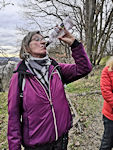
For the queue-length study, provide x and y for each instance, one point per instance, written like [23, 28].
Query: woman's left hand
[67, 38]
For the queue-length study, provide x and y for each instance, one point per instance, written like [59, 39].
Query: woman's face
[37, 46]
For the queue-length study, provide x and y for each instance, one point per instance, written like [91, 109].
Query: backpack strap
[21, 81]
[21, 67]
[21, 84]
[54, 63]
[22, 73]
[21, 76]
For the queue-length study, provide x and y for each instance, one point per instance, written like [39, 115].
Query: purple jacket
[45, 116]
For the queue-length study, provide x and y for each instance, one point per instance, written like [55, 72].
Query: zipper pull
[51, 104]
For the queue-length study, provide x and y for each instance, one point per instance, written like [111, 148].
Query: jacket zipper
[55, 124]
[50, 100]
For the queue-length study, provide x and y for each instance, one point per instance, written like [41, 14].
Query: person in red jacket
[106, 84]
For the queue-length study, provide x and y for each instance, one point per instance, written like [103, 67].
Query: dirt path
[90, 138]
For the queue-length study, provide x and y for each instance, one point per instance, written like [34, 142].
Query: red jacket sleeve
[106, 86]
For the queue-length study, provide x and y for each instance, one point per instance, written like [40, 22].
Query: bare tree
[4, 3]
[99, 28]
[92, 20]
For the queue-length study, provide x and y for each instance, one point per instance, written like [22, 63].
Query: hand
[67, 38]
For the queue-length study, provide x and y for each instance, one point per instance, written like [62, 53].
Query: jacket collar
[22, 68]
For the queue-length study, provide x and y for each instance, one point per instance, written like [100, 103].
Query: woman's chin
[43, 55]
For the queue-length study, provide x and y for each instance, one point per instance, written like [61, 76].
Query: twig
[74, 112]
[88, 93]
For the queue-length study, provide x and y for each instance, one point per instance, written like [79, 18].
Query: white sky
[10, 18]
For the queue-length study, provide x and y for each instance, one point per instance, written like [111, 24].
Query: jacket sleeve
[82, 66]
[106, 87]
[14, 124]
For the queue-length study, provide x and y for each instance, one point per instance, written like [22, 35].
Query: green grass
[104, 60]
[77, 87]
[3, 120]
[86, 85]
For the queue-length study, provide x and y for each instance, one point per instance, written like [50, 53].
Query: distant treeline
[5, 60]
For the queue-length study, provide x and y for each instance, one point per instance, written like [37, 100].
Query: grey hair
[25, 44]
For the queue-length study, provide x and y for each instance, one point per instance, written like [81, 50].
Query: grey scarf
[39, 67]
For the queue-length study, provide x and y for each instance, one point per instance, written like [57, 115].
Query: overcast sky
[10, 18]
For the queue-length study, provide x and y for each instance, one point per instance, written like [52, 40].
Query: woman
[46, 117]
[106, 84]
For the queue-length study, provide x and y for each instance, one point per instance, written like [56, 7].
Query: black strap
[21, 74]
[21, 68]
[20, 82]
[54, 63]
